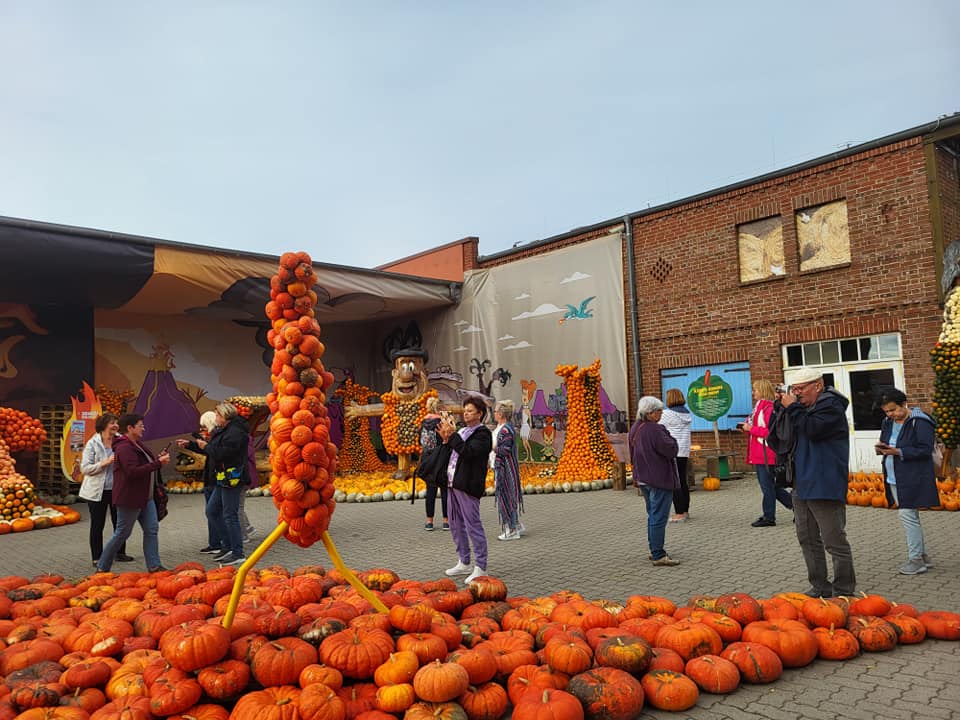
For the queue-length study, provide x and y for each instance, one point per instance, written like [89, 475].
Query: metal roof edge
[39, 226]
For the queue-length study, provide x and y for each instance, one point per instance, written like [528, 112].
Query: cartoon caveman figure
[405, 405]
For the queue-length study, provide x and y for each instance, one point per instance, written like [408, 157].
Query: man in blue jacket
[822, 452]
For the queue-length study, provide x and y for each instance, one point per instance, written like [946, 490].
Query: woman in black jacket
[226, 452]
[466, 479]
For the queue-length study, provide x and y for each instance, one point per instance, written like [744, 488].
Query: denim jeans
[910, 519]
[213, 539]
[658, 503]
[223, 510]
[771, 493]
[126, 517]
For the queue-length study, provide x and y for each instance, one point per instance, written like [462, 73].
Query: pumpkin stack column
[945, 358]
[302, 458]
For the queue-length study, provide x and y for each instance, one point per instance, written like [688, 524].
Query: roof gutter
[920, 130]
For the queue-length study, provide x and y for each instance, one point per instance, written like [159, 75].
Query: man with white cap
[821, 454]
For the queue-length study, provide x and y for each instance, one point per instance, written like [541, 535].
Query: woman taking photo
[226, 452]
[762, 457]
[466, 483]
[906, 446]
[653, 453]
[97, 486]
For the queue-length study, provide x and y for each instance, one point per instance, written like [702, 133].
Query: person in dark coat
[135, 472]
[906, 444]
[429, 439]
[466, 482]
[226, 453]
[653, 453]
[822, 461]
[208, 425]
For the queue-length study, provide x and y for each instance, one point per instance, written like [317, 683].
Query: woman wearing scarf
[466, 482]
[506, 473]
[135, 473]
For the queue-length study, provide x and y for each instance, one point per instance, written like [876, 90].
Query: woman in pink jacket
[763, 458]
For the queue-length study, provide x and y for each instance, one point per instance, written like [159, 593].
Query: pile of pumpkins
[184, 485]
[867, 490]
[20, 509]
[307, 646]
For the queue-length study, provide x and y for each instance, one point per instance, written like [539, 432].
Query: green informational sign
[709, 397]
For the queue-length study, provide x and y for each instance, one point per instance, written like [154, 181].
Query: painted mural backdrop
[45, 354]
[517, 322]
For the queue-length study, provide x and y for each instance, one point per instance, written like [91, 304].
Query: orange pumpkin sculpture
[302, 458]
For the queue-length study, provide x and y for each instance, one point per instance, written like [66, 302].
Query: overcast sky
[368, 131]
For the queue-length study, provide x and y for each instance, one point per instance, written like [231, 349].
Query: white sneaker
[460, 568]
[521, 529]
[509, 535]
[477, 572]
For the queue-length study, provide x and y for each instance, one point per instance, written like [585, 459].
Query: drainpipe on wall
[632, 308]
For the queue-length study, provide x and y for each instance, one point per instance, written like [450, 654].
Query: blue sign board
[737, 375]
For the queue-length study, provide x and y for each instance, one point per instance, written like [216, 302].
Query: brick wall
[693, 309]
[701, 313]
[949, 186]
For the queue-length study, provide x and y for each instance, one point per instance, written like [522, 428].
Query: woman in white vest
[97, 486]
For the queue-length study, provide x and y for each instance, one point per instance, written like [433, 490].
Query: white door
[859, 382]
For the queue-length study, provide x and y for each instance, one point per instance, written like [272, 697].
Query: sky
[364, 132]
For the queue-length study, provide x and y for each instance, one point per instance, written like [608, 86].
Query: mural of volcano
[167, 410]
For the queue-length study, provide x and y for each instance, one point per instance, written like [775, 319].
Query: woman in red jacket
[762, 457]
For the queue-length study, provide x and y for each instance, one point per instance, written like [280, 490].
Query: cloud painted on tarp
[576, 276]
[522, 296]
[471, 329]
[518, 346]
[461, 348]
[545, 309]
[508, 336]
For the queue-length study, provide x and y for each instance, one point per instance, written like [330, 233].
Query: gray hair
[208, 420]
[646, 405]
[228, 411]
[505, 408]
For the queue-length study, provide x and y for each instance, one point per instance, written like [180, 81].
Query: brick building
[835, 262]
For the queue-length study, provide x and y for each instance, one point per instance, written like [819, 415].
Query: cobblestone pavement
[595, 543]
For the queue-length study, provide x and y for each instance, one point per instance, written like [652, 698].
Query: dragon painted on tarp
[405, 404]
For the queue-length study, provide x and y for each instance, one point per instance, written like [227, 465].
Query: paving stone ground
[595, 543]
